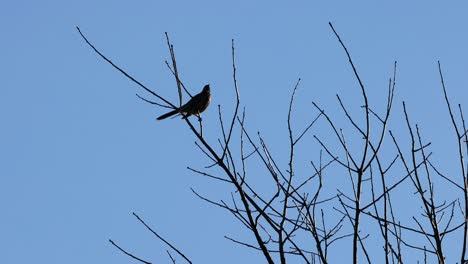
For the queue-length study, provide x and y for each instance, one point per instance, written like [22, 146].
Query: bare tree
[295, 219]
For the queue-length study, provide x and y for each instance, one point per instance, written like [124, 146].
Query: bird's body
[194, 106]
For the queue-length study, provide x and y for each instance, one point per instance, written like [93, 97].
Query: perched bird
[194, 106]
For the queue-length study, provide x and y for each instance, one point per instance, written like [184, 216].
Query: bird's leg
[199, 117]
[200, 122]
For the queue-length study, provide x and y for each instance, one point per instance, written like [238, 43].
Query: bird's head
[206, 89]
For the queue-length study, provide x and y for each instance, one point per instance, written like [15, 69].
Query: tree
[300, 218]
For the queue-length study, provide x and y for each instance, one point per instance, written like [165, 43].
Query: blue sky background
[79, 152]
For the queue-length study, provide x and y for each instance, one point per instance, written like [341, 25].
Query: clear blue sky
[79, 152]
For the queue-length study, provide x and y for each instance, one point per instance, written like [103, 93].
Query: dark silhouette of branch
[428, 203]
[175, 71]
[162, 239]
[127, 253]
[122, 71]
[464, 172]
[171, 257]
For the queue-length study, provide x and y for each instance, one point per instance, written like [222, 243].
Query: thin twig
[127, 253]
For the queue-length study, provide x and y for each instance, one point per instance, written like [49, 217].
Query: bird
[194, 106]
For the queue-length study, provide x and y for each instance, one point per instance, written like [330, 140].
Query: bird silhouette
[194, 106]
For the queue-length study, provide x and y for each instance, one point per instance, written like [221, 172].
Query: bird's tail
[166, 115]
